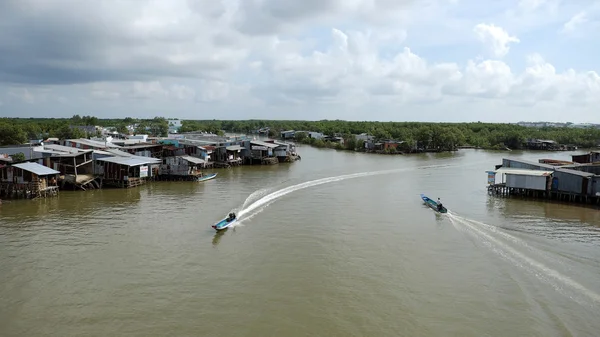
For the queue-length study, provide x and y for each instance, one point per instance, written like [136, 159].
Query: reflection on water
[78, 204]
[551, 210]
[217, 237]
[547, 218]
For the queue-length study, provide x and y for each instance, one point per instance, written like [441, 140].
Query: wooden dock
[130, 182]
[32, 190]
[502, 190]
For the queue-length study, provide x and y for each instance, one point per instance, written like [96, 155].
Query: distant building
[315, 135]
[364, 137]
[288, 134]
[174, 125]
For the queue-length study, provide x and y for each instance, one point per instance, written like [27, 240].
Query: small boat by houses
[206, 177]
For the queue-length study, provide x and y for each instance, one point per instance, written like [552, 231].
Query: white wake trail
[517, 258]
[256, 207]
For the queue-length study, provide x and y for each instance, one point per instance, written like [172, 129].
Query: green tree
[67, 132]
[11, 134]
[349, 142]
[159, 126]
[122, 128]
[18, 157]
[300, 136]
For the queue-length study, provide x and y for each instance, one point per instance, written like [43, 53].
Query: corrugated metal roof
[530, 163]
[193, 159]
[61, 148]
[575, 172]
[141, 146]
[105, 153]
[93, 143]
[265, 144]
[36, 168]
[507, 170]
[130, 161]
[119, 153]
[234, 148]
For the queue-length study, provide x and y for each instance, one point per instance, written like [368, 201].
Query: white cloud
[576, 21]
[356, 59]
[530, 5]
[496, 38]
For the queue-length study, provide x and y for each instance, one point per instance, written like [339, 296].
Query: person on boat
[439, 204]
[231, 217]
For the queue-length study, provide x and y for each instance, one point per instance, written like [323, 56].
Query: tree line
[442, 136]
[15, 131]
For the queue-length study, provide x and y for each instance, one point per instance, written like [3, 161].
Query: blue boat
[433, 204]
[206, 177]
[225, 223]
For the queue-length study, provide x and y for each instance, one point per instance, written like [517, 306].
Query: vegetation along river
[321, 250]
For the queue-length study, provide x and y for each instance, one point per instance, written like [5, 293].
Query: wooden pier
[502, 190]
[30, 190]
[130, 182]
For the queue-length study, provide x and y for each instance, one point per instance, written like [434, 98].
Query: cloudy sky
[418, 60]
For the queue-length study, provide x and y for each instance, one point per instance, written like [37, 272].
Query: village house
[285, 152]
[591, 157]
[387, 145]
[262, 153]
[224, 151]
[541, 144]
[181, 168]
[144, 150]
[129, 171]
[198, 148]
[264, 131]
[234, 157]
[574, 182]
[76, 166]
[289, 134]
[28, 180]
[334, 139]
[174, 125]
[365, 137]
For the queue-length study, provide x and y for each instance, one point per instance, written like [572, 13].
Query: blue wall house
[572, 181]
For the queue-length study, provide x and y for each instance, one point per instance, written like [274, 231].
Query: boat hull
[223, 224]
[433, 204]
[207, 177]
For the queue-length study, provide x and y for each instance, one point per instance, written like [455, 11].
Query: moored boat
[206, 177]
[433, 204]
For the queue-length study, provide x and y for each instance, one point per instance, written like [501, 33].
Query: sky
[385, 60]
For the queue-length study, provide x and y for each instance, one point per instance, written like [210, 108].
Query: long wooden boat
[433, 204]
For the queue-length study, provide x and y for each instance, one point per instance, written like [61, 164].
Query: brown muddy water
[338, 244]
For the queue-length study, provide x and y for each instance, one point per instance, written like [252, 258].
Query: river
[338, 244]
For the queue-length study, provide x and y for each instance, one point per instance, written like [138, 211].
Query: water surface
[355, 255]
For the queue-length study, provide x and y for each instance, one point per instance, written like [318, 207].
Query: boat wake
[501, 243]
[253, 206]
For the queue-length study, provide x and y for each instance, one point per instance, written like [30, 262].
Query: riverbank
[85, 164]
